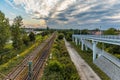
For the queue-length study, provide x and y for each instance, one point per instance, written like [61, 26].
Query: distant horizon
[65, 28]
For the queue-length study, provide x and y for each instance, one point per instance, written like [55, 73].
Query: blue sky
[76, 14]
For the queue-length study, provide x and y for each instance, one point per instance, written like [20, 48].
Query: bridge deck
[111, 39]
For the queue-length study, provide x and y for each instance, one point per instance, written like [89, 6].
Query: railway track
[38, 65]
[37, 56]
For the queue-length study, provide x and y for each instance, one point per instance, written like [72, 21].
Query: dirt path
[84, 70]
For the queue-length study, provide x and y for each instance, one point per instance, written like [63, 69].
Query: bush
[25, 40]
[60, 36]
[60, 66]
[32, 36]
[69, 36]
[55, 66]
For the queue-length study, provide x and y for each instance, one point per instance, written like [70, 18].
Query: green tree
[47, 28]
[55, 66]
[4, 30]
[25, 39]
[69, 36]
[110, 31]
[16, 32]
[97, 29]
[85, 31]
[60, 36]
[32, 36]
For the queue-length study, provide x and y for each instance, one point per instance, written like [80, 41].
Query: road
[84, 70]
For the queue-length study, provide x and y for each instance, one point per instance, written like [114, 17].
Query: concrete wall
[111, 69]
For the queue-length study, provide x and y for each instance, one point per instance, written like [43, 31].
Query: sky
[64, 14]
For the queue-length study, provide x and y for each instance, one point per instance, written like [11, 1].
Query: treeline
[14, 33]
[59, 65]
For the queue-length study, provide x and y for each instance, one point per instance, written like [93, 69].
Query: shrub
[60, 36]
[55, 66]
[32, 36]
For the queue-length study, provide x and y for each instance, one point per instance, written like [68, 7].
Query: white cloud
[43, 7]
[65, 4]
[83, 11]
[115, 16]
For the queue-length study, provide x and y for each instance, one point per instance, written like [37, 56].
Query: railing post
[94, 49]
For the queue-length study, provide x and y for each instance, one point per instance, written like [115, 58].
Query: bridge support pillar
[82, 46]
[86, 48]
[76, 41]
[94, 50]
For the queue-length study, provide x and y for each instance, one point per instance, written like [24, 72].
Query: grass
[14, 61]
[110, 48]
[117, 55]
[87, 56]
[8, 46]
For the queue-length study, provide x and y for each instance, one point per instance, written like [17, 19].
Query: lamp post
[100, 31]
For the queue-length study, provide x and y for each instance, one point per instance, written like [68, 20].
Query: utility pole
[30, 70]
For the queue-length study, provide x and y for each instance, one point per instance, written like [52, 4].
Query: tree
[47, 28]
[60, 36]
[85, 31]
[25, 39]
[69, 36]
[16, 32]
[97, 29]
[32, 36]
[110, 31]
[55, 66]
[4, 30]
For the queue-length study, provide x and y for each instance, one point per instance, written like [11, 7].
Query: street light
[100, 30]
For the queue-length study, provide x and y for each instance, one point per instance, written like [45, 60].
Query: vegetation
[14, 57]
[15, 43]
[32, 36]
[67, 34]
[4, 30]
[110, 31]
[16, 33]
[26, 40]
[110, 48]
[60, 36]
[59, 65]
[85, 31]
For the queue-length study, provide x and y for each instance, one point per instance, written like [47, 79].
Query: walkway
[85, 72]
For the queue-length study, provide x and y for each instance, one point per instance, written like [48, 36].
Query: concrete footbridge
[105, 61]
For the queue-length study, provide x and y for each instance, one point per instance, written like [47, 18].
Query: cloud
[70, 12]
[42, 7]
